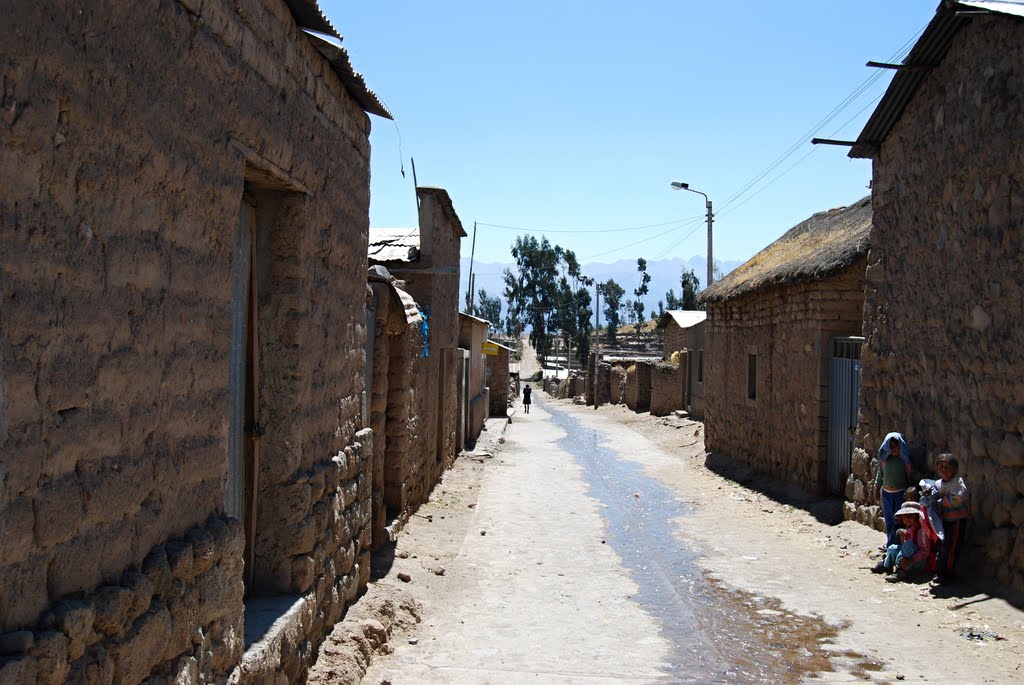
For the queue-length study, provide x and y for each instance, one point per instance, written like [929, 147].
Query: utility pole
[711, 262]
[469, 295]
[597, 339]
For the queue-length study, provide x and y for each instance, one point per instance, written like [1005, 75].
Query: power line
[582, 230]
[846, 102]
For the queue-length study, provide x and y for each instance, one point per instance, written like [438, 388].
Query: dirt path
[467, 587]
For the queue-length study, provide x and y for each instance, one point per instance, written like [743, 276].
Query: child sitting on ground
[911, 554]
[952, 504]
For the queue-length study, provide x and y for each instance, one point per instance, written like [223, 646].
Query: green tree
[531, 292]
[574, 313]
[690, 287]
[612, 293]
[641, 290]
[489, 309]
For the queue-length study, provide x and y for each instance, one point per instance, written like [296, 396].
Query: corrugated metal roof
[308, 16]
[394, 244]
[683, 318]
[353, 81]
[929, 50]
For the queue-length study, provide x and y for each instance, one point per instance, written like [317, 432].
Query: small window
[700, 366]
[751, 376]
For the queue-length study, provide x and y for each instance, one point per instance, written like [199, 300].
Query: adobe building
[944, 296]
[426, 260]
[183, 456]
[474, 396]
[684, 334]
[394, 356]
[775, 327]
[496, 358]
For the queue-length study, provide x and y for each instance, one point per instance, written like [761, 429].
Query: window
[700, 366]
[751, 376]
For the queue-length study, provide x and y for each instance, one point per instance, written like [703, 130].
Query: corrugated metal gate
[843, 392]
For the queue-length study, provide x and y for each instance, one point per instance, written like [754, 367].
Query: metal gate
[843, 392]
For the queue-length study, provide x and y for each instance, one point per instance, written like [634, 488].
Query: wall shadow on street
[825, 509]
[382, 560]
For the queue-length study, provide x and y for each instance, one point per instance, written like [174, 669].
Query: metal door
[843, 393]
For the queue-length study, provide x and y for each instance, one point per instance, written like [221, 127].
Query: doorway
[843, 405]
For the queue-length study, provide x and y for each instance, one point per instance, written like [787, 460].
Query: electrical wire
[838, 109]
[582, 230]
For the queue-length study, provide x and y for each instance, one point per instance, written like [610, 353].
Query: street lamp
[679, 185]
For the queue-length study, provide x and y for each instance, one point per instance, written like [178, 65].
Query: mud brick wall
[675, 339]
[497, 381]
[176, 614]
[638, 386]
[402, 425]
[784, 431]
[944, 309]
[668, 383]
[121, 177]
[617, 379]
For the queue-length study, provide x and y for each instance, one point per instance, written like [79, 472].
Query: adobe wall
[784, 431]
[637, 392]
[497, 381]
[121, 176]
[668, 384]
[675, 339]
[944, 309]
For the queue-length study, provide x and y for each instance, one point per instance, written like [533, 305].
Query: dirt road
[518, 572]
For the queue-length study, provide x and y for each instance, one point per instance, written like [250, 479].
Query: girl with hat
[911, 553]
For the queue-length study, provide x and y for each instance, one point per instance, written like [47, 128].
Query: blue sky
[570, 118]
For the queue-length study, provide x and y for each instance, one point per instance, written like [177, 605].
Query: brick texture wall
[668, 385]
[944, 310]
[784, 431]
[121, 176]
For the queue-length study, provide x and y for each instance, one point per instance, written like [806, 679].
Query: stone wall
[783, 432]
[122, 175]
[668, 386]
[638, 386]
[944, 309]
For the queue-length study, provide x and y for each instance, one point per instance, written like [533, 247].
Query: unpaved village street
[586, 547]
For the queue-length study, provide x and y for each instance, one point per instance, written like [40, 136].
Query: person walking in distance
[526, 399]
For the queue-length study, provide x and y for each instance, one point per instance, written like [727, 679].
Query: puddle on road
[718, 634]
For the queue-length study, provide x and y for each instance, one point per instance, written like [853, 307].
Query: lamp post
[679, 185]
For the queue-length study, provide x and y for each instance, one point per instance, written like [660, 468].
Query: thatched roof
[822, 245]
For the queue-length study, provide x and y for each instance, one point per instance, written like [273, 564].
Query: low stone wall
[178, 615]
[668, 383]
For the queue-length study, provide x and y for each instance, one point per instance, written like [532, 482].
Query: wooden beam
[827, 141]
[901, 67]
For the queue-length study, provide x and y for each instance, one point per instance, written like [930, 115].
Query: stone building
[771, 325]
[182, 449]
[944, 298]
[684, 333]
[416, 370]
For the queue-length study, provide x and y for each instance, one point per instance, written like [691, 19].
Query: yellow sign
[490, 348]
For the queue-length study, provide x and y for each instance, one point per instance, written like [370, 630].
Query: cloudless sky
[575, 116]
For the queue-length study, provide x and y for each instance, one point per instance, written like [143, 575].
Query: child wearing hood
[892, 480]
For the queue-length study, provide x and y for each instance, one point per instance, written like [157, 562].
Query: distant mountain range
[665, 274]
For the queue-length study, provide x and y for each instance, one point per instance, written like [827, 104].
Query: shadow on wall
[827, 510]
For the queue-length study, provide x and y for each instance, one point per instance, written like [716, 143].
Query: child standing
[952, 505]
[892, 480]
[526, 399]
